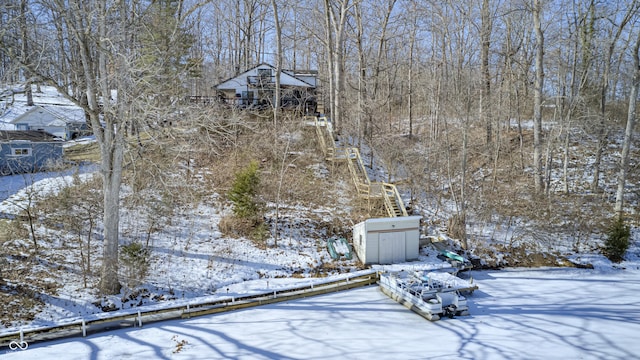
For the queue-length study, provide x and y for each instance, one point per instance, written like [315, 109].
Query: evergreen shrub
[244, 190]
[617, 241]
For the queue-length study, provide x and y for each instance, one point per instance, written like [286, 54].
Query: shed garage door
[391, 248]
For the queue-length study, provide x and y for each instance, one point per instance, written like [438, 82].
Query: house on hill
[25, 151]
[62, 122]
[255, 89]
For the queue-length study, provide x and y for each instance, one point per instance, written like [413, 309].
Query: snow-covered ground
[544, 313]
[18, 185]
[516, 314]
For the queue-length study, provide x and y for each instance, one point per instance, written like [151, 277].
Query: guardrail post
[84, 328]
[188, 312]
[139, 319]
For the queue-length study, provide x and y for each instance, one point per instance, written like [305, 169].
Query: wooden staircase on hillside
[386, 192]
[358, 172]
[392, 201]
[324, 130]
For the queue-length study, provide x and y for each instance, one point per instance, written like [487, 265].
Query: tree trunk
[110, 138]
[276, 111]
[336, 19]
[362, 74]
[339, 66]
[25, 52]
[462, 215]
[412, 44]
[329, 45]
[628, 135]
[568, 117]
[537, 97]
[604, 86]
[276, 100]
[112, 178]
[484, 66]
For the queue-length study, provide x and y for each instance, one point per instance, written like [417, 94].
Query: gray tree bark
[111, 142]
[485, 36]
[278, 29]
[537, 97]
[276, 108]
[628, 135]
[329, 46]
[604, 87]
[24, 51]
[336, 19]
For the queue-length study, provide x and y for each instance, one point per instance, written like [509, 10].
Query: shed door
[391, 248]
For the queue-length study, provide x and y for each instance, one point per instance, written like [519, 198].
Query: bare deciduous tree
[631, 120]
[336, 15]
[537, 95]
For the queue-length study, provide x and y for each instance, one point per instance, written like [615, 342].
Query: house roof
[50, 116]
[26, 135]
[6, 126]
[286, 79]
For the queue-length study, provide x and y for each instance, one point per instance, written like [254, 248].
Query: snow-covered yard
[542, 313]
[545, 313]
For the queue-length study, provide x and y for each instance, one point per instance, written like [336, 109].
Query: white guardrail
[19, 340]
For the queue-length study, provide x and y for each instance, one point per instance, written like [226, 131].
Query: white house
[256, 88]
[63, 122]
[387, 240]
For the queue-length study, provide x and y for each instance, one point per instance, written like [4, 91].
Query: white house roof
[239, 81]
[50, 116]
[6, 126]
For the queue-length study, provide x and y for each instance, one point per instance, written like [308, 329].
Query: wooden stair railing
[392, 201]
[358, 172]
[322, 130]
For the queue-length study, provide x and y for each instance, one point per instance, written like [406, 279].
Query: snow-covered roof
[13, 104]
[50, 116]
[286, 79]
[7, 126]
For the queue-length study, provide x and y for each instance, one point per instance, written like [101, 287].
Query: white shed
[387, 240]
